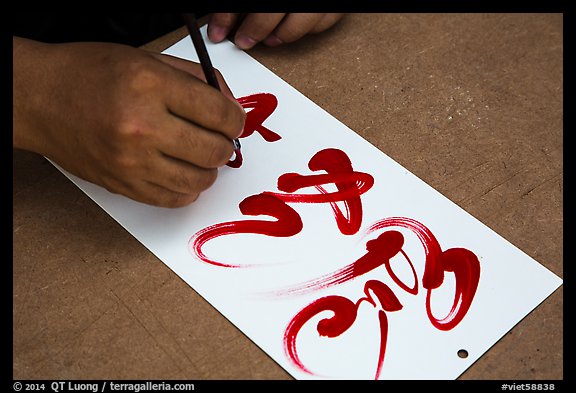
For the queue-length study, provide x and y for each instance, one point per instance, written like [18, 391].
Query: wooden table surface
[470, 103]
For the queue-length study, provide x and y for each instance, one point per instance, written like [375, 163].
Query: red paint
[288, 224]
[345, 313]
[433, 277]
[237, 161]
[349, 183]
[466, 268]
[460, 261]
[262, 105]
[380, 251]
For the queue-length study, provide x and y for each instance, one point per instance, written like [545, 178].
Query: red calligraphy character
[288, 224]
[349, 183]
[379, 253]
[460, 261]
[262, 105]
[345, 312]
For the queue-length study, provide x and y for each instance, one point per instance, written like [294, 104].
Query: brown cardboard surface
[470, 103]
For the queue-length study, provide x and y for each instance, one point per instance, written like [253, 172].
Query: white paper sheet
[262, 299]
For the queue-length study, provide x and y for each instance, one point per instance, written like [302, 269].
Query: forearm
[30, 82]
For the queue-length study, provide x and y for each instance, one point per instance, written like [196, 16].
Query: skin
[271, 29]
[140, 124]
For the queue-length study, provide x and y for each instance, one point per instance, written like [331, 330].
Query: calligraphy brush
[205, 62]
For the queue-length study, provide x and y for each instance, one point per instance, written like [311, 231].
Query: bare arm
[140, 124]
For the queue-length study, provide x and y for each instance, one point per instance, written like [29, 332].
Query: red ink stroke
[460, 261]
[262, 105]
[288, 224]
[380, 251]
[466, 268]
[344, 315]
[349, 183]
[237, 161]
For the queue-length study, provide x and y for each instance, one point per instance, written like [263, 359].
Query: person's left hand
[270, 29]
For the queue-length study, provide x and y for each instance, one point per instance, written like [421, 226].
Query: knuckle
[220, 108]
[189, 181]
[208, 149]
[180, 200]
[183, 181]
[207, 179]
[219, 153]
[229, 115]
[124, 164]
[140, 75]
[128, 126]
[190, 192]
[131, 131]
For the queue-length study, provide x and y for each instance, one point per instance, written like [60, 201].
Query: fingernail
[245, 42]
[217, 33]
[272, 40]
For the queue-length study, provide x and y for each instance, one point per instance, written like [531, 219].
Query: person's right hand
[140, 124]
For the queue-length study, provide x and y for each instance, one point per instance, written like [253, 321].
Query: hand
[140, 124]
[270, 29]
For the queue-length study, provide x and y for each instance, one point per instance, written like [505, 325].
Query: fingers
[195, 70]
[292, 28]
[181, 177]
[255, 28]
[327, 21]
[157, 179]
[193, 100]
[176, 151]
[195, 145]
[220, 25]
[153, 194]
[296, 26]
[177, 182]
[196, 140]
[272, 29]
